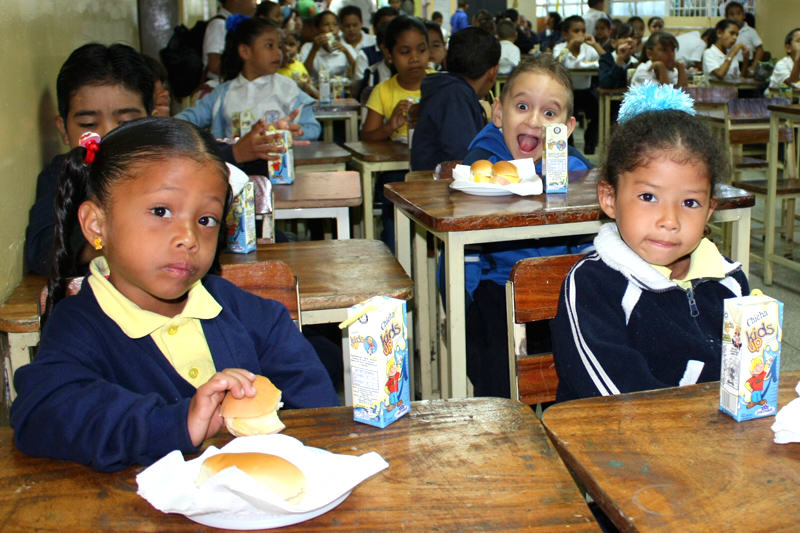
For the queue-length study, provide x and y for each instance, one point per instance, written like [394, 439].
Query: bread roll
[276, 473]
[481, 171]
[505, 172]
[254, 416]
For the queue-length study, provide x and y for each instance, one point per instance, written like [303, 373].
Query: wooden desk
[372, 157]
[484, 463]
[19, 328]
[459, 219]
[320, 195]
[320, 156]
[670, 460]
[739, 83]
[777, 114]
[708, 98]
[346, 109]
[334, 275]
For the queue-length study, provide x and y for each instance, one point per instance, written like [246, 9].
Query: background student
[551, 34]
[661, 66]
[655, 24]
[352, 32]
[644, 310]
[98, 88]
[538, 92]
[787, 69]
[328, 53]
[747, 36]
[719, 59]
[613, 69]
[214, 36]
[595, 12]
[137, 363]
[509, 53]
[436, 45]
[602, 34]
[460, 19]
[637, 23]
[253, 93]
[450, 113]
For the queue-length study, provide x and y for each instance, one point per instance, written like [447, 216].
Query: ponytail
[67, 238]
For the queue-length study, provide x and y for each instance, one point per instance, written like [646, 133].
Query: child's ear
[712, 206]
[245, 51]
[497, 113]
[386, 55]
[92, 219]
[607, 197]
[62, 129]
[571, 125]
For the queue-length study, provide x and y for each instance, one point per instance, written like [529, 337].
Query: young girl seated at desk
[328, 53]
[644, 311]
[136, 364]
[405, 43]
[720, 58]
[613, 69]
[253, 92]
[661, 66]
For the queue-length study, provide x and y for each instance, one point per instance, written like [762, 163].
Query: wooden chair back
[532, 293]
[267, 279]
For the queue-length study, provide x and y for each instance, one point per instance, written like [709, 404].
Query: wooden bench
[19, 328]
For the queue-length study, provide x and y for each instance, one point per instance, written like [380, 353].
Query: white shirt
[214, 38]
[645, 72]
[587, 58]
[750, 38]
[367, 40]
[781, 72]
[335, 62]
[690, 47]
[713, 58]
[591, 17]
[367, 8]
[509, 57]
[253, 99]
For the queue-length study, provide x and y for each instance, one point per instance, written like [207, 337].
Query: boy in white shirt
[509, 52]
[661, 66]
[787, 70]
[595, 12]
[747, 36]
[329, 53]
[580, 50]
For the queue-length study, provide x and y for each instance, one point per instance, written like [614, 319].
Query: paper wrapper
[787, 421]
[169, 484]
[529, 182]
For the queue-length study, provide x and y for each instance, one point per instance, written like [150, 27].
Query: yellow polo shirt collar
[705, 262]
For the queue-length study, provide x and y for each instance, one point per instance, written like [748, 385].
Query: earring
[98, 243]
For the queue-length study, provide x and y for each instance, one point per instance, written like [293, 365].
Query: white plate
[244, 521]
[529, 183]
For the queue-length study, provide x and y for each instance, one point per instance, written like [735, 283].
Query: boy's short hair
[602, 22]
[471, 52]
[350, 10]
[663, 38]
[569, 21]
[321, 15]
[545, 64]
[593, 3]
[97, 64]
[506, 29]
[387, 11]
[511, 14]
[731, 5]
[622, 30]
[463, 3]
[437, 14]
[556, 16]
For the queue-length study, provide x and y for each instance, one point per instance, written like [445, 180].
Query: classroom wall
[774, 19]
[36, 37]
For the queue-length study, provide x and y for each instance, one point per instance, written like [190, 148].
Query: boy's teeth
[527, 143]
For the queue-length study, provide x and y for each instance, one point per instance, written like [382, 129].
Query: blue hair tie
[650, 96]
[233, 21]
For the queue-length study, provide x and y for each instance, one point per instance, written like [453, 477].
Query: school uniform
[214, 40]
[334, 62]
[509, 57]
[781, 72]
[622, 325]
[644, 72]
[591, 17]
[750, 38]
[459, 21]
[584, 99]
[610, 74]
[98, 396]
[713, 58]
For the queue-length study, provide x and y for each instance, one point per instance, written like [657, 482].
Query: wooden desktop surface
[20, 313]
[671, 460]
[319, 189]
[378, 151]
[482, 463]
[336, 105]
[319, 153]
[336, 274]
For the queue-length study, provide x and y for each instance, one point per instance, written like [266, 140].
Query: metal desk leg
[769, 208]
[456, 320]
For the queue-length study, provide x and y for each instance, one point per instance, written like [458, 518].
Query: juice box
[281, 171]
[554, 158]
[379, 360]
[752, 330]
[241, 221]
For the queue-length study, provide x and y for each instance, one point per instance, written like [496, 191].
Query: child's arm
[351, 61]
[317, 43]
[723, 68]
[202, 113]
[591, 41]
[204, 419]
[308, 122]
[683, 76]
[612, 75]
[758, 54]
[374, 129]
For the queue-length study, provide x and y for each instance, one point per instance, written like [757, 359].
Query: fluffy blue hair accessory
[233, 21]
[650, 96]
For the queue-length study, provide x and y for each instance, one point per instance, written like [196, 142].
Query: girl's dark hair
[350, 10]
[97, 64]
[654, 134]
[651, 19]
[399, 25]
[387, 11]
[635, 18]
[622, 30]
[265, 8]
[246, 32]
[556, 16]
[319, 16]
[569, 21]
[135, 142]
[432, 26]
[658, 37]
[721, 26]
[789, 36]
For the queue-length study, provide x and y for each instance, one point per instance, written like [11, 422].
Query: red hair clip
[91, 142]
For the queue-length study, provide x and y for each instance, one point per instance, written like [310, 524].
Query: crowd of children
[136, 364]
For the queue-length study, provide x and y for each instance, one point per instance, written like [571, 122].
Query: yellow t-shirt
[705, 262]
[295, 67]
[180, 338]
[385, 97]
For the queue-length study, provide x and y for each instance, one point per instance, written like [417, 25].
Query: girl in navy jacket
[644, 311]
[137, 363]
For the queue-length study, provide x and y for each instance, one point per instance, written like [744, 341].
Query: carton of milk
[752, 330]
[379, 360]
[554, 158]
[281, 170]
[241, 221]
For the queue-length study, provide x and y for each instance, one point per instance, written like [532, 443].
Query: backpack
[183, 58]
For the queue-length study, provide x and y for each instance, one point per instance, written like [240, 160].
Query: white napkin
[529, 182]
[787, 421]
[169, 483]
